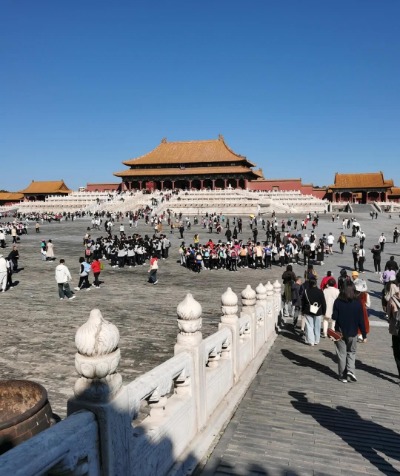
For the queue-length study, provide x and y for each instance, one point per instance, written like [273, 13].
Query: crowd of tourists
[339, 308]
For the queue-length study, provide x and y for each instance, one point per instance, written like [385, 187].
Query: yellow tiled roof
[189, 152]
[367, 180]
[11, 196]
[183, 171]
[39, 187]
[395, 191]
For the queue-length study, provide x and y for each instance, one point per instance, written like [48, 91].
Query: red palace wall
[102, 187]
[286, 185]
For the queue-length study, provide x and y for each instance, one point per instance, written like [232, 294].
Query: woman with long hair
[349, 317]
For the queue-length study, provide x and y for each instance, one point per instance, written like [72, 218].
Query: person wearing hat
[363, 296]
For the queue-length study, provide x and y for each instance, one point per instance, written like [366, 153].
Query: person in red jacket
[96, 268]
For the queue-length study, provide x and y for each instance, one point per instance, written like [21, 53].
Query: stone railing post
[99, 389]
[270, 318]
[229, 318]
[189, 340]
[261, 310]
[249, 307]
[277, 302]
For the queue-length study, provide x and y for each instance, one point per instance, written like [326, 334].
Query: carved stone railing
[165, 421]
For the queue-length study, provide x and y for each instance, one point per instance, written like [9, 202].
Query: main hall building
[208, 164]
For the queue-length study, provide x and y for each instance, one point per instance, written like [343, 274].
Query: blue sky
[302, 88]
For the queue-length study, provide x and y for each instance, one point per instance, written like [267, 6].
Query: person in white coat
[63, 276]
[3, 273]
[330, 293]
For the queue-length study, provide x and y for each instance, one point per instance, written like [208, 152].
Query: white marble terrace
[165, 421]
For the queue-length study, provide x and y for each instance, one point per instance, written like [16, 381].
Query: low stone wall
[166, 421]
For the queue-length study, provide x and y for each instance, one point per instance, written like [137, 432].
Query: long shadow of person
[366, 437]
[383, 374]
[302, 361]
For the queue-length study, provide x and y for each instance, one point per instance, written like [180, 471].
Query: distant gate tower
[207, 164]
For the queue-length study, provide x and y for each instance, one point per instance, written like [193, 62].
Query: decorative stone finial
[229, 308]
[248, 296]
[269, 288]
[189, 315]
[277, 286]
[261, 292]
[97, 359]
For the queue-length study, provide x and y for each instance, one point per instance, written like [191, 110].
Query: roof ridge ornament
[221, 137]
[164, 140]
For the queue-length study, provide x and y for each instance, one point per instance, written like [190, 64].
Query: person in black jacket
[348, 316]
[313, 296]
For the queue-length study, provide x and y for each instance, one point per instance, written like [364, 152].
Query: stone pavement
[37, 331]
[298, 419]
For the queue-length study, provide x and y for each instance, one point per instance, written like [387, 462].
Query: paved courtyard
[38, 330]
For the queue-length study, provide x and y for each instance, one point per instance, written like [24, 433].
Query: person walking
[63, 276]
[313, 308]
[348, 316]
[331, 293]
[361, 259]
[342, 241]
[395, 235]
[84, 271]
[354, 252]
[376, 256]
[96, 268]
[382, 241]
[50, 251]
[153, 269]
[288, 278]
[3, 273]
[14, 257]
[361, 293]
[393, 309]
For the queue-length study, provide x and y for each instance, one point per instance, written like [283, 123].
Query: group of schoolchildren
[125, 250]
[234, 254]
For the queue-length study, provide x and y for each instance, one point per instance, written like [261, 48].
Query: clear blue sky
[303, 88]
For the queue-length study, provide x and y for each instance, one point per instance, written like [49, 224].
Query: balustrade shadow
[302, 361]
[367, 438]
[360, 365]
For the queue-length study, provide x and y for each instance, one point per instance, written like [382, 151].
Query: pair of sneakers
[349, 377]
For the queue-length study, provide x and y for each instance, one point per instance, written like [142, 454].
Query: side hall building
[208, 164]
[362, 188]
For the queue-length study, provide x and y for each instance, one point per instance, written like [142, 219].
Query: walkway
[298, 419]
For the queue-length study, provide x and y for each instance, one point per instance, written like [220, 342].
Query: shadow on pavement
[368, 438]
[383, 374]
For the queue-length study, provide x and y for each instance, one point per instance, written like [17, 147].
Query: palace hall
[207, 164]
[362, 188]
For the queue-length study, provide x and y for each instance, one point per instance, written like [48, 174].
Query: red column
[162, 184]
[213, 184]
[190, 184]
[173, 184]
[225, 183]
[201, 184]
[140, 184]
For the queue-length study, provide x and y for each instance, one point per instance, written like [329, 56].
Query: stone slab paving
[298, 419]
[37, 331]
